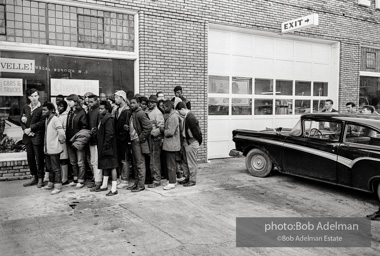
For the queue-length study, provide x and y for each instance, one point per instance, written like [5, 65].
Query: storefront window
[302, 107]
[263, 87]
[218, 106]
[241, 85]
[52, 75]
[264, 107]
[284, 107]
[241, 106]
[218, 84]
[320, 89]
[284, 87]
[303, 88]
[318, 105]
[369, 92]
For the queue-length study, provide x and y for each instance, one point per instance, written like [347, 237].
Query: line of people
[116, 137]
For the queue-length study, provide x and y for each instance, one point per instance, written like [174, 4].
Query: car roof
[369, 120]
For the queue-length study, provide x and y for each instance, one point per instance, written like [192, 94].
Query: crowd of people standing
[114, 137]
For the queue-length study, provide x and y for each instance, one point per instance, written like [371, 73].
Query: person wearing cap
[160, 96]
[179, 93]
[92, 153]
[76, 121]
[139, 130]
[123, 142]
[157, 120]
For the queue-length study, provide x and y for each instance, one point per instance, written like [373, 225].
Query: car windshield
[297, 130]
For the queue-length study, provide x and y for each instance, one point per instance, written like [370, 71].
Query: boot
[65, 171]
[49, 186]
[40, 183]
[32, 182]
[46, 177]
[57, 188]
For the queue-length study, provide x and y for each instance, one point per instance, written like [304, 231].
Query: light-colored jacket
[53, 133]
[63, 118]
[172, 133]
[157, 119]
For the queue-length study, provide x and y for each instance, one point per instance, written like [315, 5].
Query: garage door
[259, 82]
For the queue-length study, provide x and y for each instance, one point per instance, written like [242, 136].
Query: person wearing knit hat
[179, 93]
[122, 94]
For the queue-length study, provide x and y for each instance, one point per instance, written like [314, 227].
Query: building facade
[230, 57]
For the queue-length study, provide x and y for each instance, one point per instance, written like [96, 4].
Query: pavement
[198, 220]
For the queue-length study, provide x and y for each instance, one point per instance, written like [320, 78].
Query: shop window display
[41, 71]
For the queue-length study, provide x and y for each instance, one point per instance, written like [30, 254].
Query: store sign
[300, 23]
[73, 86]
[17, 65]
[10, 87]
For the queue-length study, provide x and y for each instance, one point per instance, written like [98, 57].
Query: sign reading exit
[300, 23]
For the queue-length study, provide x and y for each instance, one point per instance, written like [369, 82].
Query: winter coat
[107, 151]
[192, 127]
[172, 140]
[63, 118]
[76, 121]
[143, 127]
[93, 121]
[157, 120]
[36, 122]
[53, 133]
[80, 139]
[122, 135]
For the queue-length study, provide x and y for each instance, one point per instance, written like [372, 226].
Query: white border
[372, 74]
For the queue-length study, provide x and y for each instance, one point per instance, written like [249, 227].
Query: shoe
[169, 186]
[154, 185]
[95, 189]
[180, 179]
[111, 193]
[183, 181]
[32, 182]
[132, 187]
[103, 189]
[122, 185]
[50, 186]
[91, 185]
[65, 183]
[55, 191]
[73, 184]
[79, 185]
[190, 184]
[40, 183]
[138, 189]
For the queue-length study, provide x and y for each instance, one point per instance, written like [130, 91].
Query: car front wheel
[258, 163]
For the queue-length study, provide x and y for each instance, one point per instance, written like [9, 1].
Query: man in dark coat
[92, 154]
[192, 139]
[107, 152]
[122, 116]
[33, 126]
[76, 121]
[139, 131]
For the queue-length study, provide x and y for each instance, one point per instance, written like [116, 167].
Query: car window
[297, 130]
[361, 134]
[322, 130]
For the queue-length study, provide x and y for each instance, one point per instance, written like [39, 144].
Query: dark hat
[153, 98]
[177, 88]
[143, 98]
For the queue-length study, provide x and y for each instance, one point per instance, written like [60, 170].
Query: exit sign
[300, 23]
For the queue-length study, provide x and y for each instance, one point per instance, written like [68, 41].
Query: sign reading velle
[300, 23]
[10, 87]
[17, 65]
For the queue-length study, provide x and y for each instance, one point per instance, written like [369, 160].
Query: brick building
[235, 65]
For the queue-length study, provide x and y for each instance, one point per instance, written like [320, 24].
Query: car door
[358, 156]
[313, 153]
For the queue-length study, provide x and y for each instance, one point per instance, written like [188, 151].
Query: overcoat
[107, 150]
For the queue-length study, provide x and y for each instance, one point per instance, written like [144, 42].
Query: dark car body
[332, 147]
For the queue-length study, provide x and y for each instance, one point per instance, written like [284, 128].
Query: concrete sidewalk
[197, 220]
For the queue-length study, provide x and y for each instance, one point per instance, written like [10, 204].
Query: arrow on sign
[307, 20]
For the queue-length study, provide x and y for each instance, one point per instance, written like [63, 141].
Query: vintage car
[335, 148]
